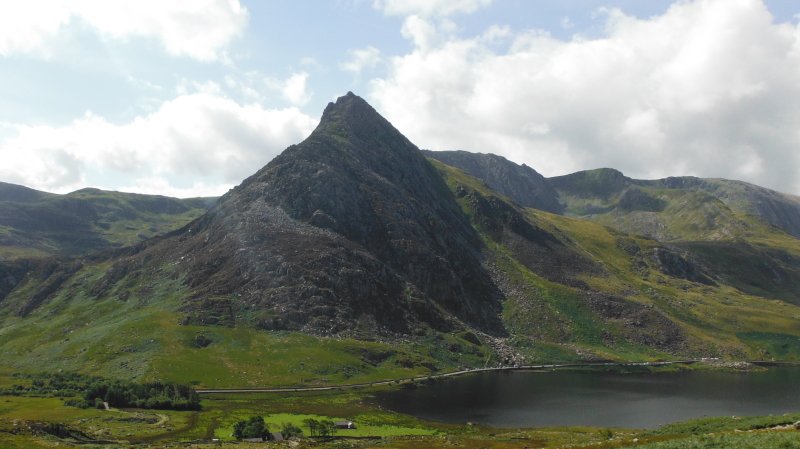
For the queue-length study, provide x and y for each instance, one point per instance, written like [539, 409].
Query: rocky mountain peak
[352, 227]
[352, 117]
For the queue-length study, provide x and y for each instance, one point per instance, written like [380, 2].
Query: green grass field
[21, 416]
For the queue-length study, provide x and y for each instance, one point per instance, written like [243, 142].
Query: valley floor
[27, 422]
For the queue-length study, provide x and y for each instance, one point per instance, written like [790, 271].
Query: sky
[187, 98]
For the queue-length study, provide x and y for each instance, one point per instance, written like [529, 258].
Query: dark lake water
[574, 398]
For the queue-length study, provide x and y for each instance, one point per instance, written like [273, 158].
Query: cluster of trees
[92, 391]
[153, 395]
[323, 428]
[255, 427]
[50, 384]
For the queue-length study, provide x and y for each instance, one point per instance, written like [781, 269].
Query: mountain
[352, 257]
[733, 229]
[34, 223]
[353, 228]
[518, 182]
[603, 191]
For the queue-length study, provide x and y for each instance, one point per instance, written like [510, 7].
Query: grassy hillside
[607, 191]
[713, 224]
[721, 316]
[34, 224]
[141, 337]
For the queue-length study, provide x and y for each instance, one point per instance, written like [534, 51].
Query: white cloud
[200, 29]
[428, 8]
[360, 59]
[293, 89]
[207, 138]
[296, 89]
[26, 26]
[711, 88]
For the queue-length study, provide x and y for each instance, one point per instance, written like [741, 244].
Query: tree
[238, 428]
[329, 427]
[313, 426]
[290, 430]
[252, 428]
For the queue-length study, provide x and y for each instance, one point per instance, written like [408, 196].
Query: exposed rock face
[642, 325]
[201, 341]
[11, 274]
[518, 182]
[352, 230]
[673, 264]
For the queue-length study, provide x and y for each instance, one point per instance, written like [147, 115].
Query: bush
[252, 428]
[77, 402]
[290, 430]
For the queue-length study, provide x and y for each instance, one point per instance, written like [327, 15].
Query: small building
[345, 425]
[277, 436]
[253, 440]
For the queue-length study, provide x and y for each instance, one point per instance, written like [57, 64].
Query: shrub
[290, 430]
[77, 402]
[252, 428]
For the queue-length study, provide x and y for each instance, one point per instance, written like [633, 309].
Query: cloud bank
[710, 88]
[199, 29]
[196, 136]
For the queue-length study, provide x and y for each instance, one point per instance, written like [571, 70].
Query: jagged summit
[352, 111]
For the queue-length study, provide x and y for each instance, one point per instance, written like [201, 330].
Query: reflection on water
[643, 401]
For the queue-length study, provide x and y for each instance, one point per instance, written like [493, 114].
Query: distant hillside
[605, 190]
[733, 229]
[34, 223]
[518, 182]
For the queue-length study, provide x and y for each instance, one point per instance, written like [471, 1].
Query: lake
[599, 399]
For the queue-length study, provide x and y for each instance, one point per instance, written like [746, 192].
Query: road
[450, 374]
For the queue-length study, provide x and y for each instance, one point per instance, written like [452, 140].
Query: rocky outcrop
[641, 324]
[673, 264]
[11, 274]
[53, 280]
